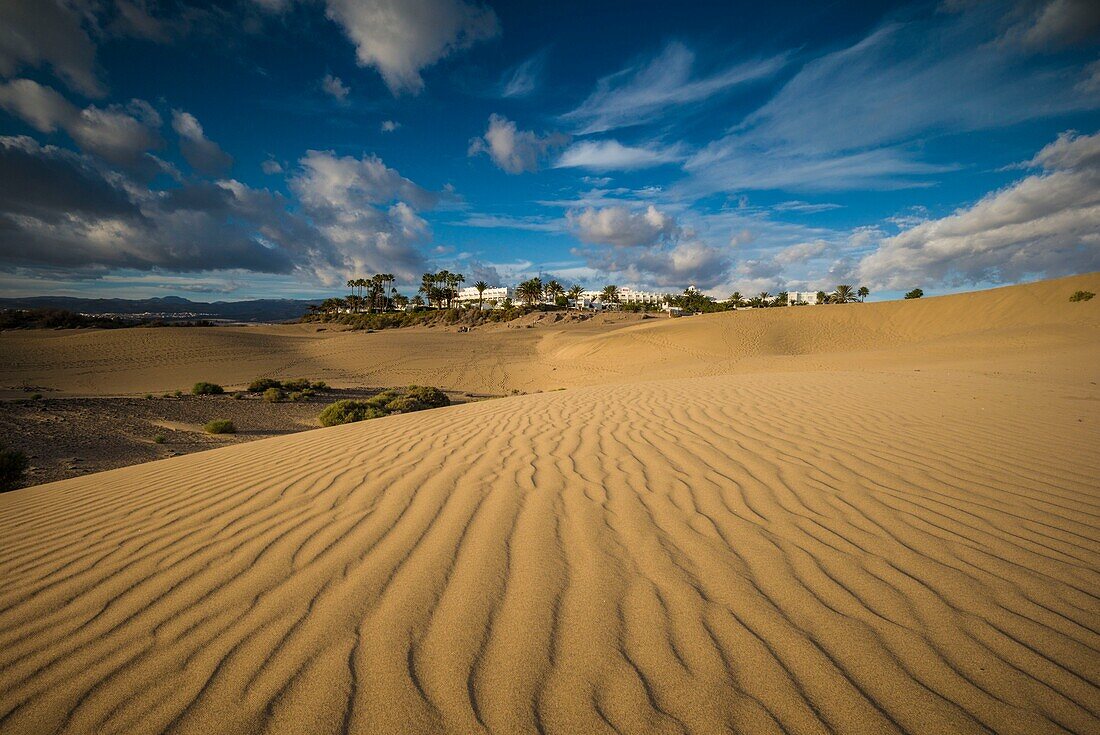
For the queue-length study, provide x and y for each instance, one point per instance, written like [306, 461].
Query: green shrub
[274, 395]
[36, 396]
[295, 396]
[916, 293]
[432, 397]
[348, 411]
[160, 439]
[207, 389]
[319, 385]
[309, 392]
[1081, 296]
[178, 393]
[220, 426]
[148, 396]
[238, 395]
[13, 464]
[298, 384]
[260, 385]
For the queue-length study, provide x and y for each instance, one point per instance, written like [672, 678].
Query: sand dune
[903, 542]
[1035, 318]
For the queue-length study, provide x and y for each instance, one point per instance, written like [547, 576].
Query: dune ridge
[675, 556]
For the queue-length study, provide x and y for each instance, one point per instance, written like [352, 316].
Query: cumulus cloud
[271, 167]
[119, 134]
[388, 126]
[400, 38]
[643, 93]
[801, 252]
[366, 210]
[200, 152]
[59, 209]
[513, 150]
[670, 266]
[37, 32]
[1046, 224]
[621, 226]
[333, 86]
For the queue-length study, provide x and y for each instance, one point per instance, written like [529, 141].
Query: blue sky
[278, 147]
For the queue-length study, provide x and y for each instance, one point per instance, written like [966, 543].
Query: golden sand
[851, 519]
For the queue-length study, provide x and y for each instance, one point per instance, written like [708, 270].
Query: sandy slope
[499, 359]
[907, 543]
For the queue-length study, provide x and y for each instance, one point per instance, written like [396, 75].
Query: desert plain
[858, 518]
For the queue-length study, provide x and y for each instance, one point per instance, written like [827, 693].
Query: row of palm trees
[441, 289]
[371, 293]
[842, 295]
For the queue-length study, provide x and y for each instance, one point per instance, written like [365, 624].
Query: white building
[628, 295]
[495, 295]
[794, 297]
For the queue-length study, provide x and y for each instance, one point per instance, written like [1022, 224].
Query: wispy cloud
[611, 155]
[513, 150]
[524, 79]
[640, 94]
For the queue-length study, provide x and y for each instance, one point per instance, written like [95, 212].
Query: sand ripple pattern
[756, 554]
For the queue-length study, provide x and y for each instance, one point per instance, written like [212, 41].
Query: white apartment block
[810, 297]
[469, 295]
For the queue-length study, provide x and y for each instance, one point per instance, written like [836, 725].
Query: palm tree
[863, 292]
[736, 300]
[844, 294]
[530, 291]
[553, 290]
[764, 298]
[822, 297]
[575, 294]
[427, 286]
[480, 286]
[780, 299]
[610, 294]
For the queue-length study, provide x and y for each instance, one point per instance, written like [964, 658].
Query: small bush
[178, 393]
[36, 396]
[295, 396]
[319, 385]
[220, 426]
[432, 397]
[1081, 296]
[148, 396]
[348, 411]
[916, 293]
[207, 389]
[160, 439]
[274, 395]
[260, 385]
[298, 384]
[167, 395]
[13, 464]
[238, 395]
[309, 392]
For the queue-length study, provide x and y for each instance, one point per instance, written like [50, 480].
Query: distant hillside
[258, 310]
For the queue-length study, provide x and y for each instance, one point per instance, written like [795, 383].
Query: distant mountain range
[258, 310]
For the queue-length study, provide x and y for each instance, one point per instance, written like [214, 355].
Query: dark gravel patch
[69, 437]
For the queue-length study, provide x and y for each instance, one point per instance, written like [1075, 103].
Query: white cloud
[523, 79]
[36, 32]
[271, 167]
[804, 207]
[641, 94]
[201, 153]
[801, 252]
[399, 38]
[118, 134]
[856, 118]
[334, 87]
[611, 155]
[388, 126]
[1047, 224]
[513, 150]
[621, 226]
